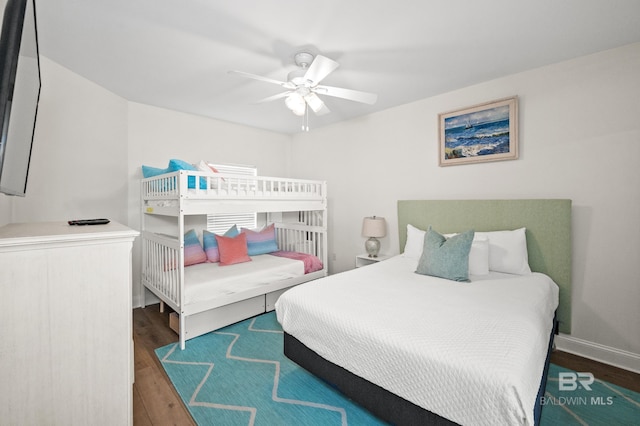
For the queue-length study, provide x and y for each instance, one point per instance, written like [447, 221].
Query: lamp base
[372, 245]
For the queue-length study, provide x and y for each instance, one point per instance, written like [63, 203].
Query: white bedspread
[207, 281]
[471, 352]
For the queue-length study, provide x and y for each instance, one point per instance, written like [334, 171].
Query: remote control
[89, 222]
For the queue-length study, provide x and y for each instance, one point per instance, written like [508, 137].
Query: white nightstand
[364, 259]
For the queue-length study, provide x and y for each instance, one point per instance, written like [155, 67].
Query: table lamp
[373, 228]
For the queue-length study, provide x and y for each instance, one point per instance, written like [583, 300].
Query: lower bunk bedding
[443, 351]
[210, 281]
[210, 295]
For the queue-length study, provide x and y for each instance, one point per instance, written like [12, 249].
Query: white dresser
[66, 348]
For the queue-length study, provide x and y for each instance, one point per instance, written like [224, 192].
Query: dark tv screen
[19, 93]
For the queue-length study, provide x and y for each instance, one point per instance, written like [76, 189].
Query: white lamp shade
[374, 227]
[295, 103]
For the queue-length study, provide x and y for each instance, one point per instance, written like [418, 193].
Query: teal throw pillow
[174, 166]
[446, 257]
[148, 171]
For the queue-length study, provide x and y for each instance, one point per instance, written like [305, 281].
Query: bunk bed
[208, 296]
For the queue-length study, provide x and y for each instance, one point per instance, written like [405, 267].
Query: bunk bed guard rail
[193, 184]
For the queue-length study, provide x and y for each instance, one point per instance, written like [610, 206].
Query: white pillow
[202, 166]
[415, 242]
[508, 251]
[478, 255]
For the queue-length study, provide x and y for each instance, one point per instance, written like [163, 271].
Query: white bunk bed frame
[169, 196]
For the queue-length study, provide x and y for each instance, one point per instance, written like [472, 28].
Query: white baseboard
[597, 352]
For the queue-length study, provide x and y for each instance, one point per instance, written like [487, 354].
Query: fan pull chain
[305, 118]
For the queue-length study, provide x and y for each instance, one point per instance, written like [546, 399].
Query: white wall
[77, 168]
[579, 139]
[156, 135]
[89, 145]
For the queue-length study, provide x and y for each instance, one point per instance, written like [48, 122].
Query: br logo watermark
[573, 381]
[570, 381]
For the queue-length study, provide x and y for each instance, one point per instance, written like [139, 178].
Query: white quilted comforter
[470, 352]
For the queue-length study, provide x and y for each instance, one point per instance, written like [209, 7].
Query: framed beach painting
[486, 132]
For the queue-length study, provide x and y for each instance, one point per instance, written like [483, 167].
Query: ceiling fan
[303, 86]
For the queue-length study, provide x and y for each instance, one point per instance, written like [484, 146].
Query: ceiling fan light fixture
[299, 112]
[295, 103]
[315, 103]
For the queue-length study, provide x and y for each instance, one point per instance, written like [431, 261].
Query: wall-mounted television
[19, 93]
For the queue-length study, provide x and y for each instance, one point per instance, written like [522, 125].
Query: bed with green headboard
[547, 223]
[418, 349]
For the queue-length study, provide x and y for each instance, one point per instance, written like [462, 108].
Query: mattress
[207, 281]
[473, 352]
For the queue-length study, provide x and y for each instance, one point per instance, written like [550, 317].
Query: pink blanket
[311, 262]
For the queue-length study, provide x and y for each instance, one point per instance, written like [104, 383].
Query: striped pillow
[211, 245]
[193, 252]
[233, 249]
[261, 242]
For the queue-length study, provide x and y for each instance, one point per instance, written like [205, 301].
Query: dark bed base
[543, 383]
[380, 402]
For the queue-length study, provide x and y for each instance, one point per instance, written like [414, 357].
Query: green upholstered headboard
[548, 224]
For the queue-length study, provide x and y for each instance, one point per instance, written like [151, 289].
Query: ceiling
[177, 54]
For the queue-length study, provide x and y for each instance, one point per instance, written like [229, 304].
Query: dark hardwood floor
[155, 402]
[606, 372]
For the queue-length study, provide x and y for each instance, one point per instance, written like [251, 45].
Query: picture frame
[480, 133]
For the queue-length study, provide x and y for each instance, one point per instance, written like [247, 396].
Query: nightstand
[364, 259]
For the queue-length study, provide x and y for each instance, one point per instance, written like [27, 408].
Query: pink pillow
[210, 244]
[232, 249]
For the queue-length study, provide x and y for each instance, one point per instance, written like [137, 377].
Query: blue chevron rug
[579, 399]
[240, 376]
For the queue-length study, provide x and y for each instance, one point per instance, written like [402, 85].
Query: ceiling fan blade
[320, 68]
[284, 84]
[316, 104]
[274, 97]
[322, 111]
[352, 95]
